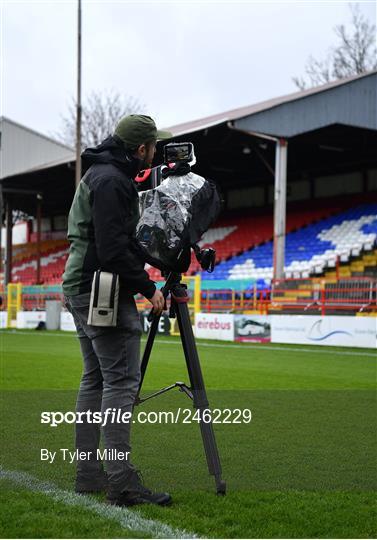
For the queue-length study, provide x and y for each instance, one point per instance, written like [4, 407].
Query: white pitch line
[269, 348]
[217, 345]
[129, 519]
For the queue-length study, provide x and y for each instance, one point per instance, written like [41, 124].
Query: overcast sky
[184, 60]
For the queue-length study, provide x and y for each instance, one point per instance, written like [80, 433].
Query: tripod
[196, 392]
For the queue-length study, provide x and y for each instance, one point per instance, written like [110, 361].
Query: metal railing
[351, 295]
[304, 296]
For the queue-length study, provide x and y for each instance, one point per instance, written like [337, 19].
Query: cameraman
[101, 228]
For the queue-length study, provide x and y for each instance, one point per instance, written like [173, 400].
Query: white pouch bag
[103, 308]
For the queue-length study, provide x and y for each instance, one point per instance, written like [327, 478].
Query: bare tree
[354, 54]
[100, 114]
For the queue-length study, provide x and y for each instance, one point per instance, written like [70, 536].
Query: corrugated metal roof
[241, 112]
[23, 149]
[34, 132]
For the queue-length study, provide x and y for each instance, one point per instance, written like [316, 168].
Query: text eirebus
[215, 325]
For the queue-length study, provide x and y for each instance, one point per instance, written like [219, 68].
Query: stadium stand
[53, 256]
[233, 235]
[309, 250]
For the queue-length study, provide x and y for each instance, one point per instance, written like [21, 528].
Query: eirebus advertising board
[214, 326]
[252, 328]
[232, 327]
[330, 330]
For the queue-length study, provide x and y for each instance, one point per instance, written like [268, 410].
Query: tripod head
[205, 257]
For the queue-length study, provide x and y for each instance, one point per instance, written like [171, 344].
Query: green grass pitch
[305, 466]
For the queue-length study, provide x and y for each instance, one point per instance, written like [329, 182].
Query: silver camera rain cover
[173, 216]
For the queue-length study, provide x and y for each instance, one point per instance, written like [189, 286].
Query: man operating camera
[101, 229]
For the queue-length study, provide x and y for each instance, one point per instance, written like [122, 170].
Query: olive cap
[137, 129]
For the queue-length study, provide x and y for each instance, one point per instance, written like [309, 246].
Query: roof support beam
[280, 206]
[8, 242]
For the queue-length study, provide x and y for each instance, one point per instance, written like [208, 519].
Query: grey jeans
[110, 379]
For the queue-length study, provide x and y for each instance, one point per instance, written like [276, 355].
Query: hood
[111, 150]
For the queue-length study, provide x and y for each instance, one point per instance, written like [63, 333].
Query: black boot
[136, 493]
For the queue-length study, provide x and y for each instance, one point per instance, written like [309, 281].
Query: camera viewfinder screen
[177, 153]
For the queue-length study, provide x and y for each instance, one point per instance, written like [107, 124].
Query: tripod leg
[151, 335]
[147, 352]
[199, 394]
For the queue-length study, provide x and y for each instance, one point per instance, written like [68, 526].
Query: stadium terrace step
[357, 266]
[345, 272]
[364, 265]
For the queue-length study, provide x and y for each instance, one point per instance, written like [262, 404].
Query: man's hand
[157, 302]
